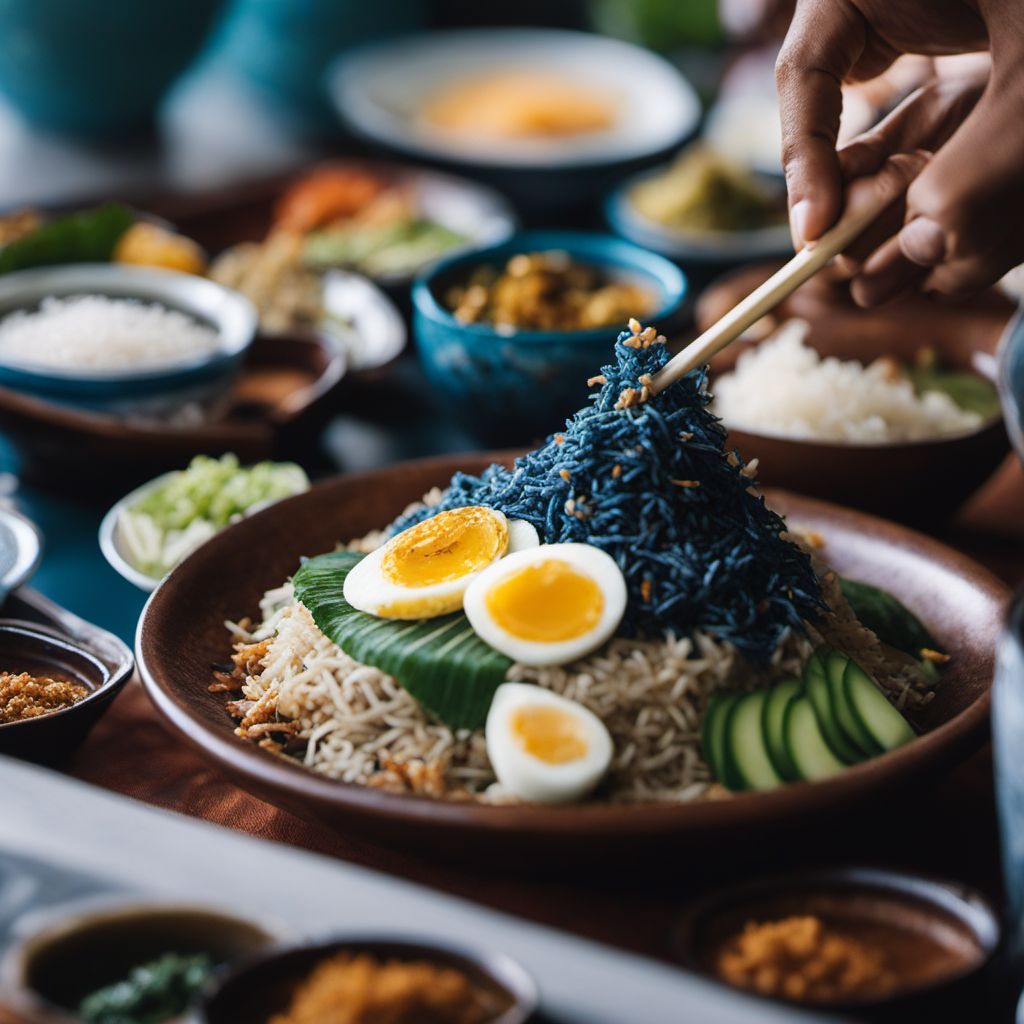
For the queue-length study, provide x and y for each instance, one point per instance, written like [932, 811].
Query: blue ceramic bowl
[511, 388]
[96, 68]
[704, 255]
[231, 315]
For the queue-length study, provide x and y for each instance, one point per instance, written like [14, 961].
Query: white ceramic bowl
[112, 542]
[379, 89]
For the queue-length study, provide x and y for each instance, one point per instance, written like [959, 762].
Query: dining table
[946, 827]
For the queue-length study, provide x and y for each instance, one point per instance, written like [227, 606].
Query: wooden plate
[283, 393]
[182, 633]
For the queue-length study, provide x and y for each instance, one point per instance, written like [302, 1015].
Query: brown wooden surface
[949, 829]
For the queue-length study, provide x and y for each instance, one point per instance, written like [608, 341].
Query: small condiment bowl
[84, 654]
[951, 923]
[64, 953]
[256, 990]
[130, 389]
[913, 481]
[512, 387]
[702, 254]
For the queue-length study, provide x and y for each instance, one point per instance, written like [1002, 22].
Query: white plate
[379, 90]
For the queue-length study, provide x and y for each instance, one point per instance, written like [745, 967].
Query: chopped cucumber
[772, 721]
[887, 727]
[817, 689]
[745, 747]
[810, 754]
[849, 723]
[713, 735]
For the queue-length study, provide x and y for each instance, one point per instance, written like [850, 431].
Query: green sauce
[151, 994]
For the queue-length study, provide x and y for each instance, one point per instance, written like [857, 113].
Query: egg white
[584, 558]
[367, 589]
[529, 777]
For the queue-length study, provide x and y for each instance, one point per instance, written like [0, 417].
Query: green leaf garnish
[440, 661]
[887, 617]
[971, 392]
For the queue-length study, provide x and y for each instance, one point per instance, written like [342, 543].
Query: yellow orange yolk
[546, 602]
[548, 733]
[445, 547]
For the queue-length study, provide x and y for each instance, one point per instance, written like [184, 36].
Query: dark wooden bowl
[917, 481]
[68, 951]
[953, 916]
[282, 395]
[46, 639]
[182, 635]
[256, 990]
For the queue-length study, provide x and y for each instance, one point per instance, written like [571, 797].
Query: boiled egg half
[548, 605]
[544, 747]
[424, 571]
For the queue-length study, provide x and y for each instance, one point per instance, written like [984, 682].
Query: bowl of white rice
[864, 427]
[96, 333]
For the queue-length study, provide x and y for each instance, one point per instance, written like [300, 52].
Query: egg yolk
[445, 547]
[548, 733]
[546, 602]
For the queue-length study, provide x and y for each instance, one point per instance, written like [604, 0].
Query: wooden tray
[283, 395]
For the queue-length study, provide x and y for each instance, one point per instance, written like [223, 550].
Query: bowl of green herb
[121, 962]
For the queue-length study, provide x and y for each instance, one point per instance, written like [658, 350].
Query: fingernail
[799, 214]
[923, 242]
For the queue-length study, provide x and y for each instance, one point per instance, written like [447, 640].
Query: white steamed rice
[783, 387]
[94, 332]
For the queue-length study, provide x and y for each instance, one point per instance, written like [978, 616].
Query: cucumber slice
[887, 726]
[810, 754]
[816, 687]
[849, 723]
[772, 721]
[712, 736]
[745, 747]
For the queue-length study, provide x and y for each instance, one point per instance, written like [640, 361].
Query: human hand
[960, 229]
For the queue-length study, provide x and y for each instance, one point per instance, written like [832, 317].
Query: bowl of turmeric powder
[850, 938]
[366, 980]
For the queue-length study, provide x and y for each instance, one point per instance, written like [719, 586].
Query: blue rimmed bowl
[229, 314]
[511, 388]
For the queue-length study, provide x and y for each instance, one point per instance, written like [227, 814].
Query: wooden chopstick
[767, 296]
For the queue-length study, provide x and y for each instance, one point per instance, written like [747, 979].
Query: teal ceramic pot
[512, 388]
[96, 68]
[284, 46]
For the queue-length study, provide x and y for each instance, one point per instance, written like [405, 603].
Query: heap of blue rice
[650, 482]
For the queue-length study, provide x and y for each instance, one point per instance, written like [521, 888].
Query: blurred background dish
[65, 962]
[704, 211]
[79, 69]
[284, 393]
[384, 220]
[912, 945]
[509, 384]
[21, 549]
[120, 337]
[451, 983]
[481, 100]
[913, 480]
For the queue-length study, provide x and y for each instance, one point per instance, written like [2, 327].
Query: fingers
[926, 119]
[963, 213]
[824, 42]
